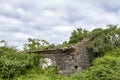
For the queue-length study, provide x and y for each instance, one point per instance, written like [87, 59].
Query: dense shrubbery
[14, 63]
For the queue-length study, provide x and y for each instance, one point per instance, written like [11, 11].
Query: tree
[4, 42]
[78, 35]
[34, 44]
[105, 40]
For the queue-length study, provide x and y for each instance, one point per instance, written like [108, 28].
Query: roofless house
[69, 60]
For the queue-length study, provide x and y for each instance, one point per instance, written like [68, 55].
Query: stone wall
[71, 59]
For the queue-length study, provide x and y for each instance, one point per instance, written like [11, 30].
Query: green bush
[14, 63]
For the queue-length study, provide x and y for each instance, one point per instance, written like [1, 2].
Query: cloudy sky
[53, 20]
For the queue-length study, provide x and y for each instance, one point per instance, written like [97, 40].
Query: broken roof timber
[52, 50]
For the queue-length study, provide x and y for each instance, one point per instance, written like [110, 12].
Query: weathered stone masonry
[70, 59]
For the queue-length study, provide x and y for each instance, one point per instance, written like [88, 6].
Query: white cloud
[53, 20]
[63, 29]
[10, 21]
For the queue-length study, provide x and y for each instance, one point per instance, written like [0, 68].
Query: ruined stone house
[69, 60]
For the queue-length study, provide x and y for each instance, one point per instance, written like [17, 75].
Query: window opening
[76, 67]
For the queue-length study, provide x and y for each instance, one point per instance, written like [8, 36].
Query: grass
[39, 74]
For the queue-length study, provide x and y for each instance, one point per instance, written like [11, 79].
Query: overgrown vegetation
[20, 65]
[14, 63]
[105, 40]
[39, 74]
